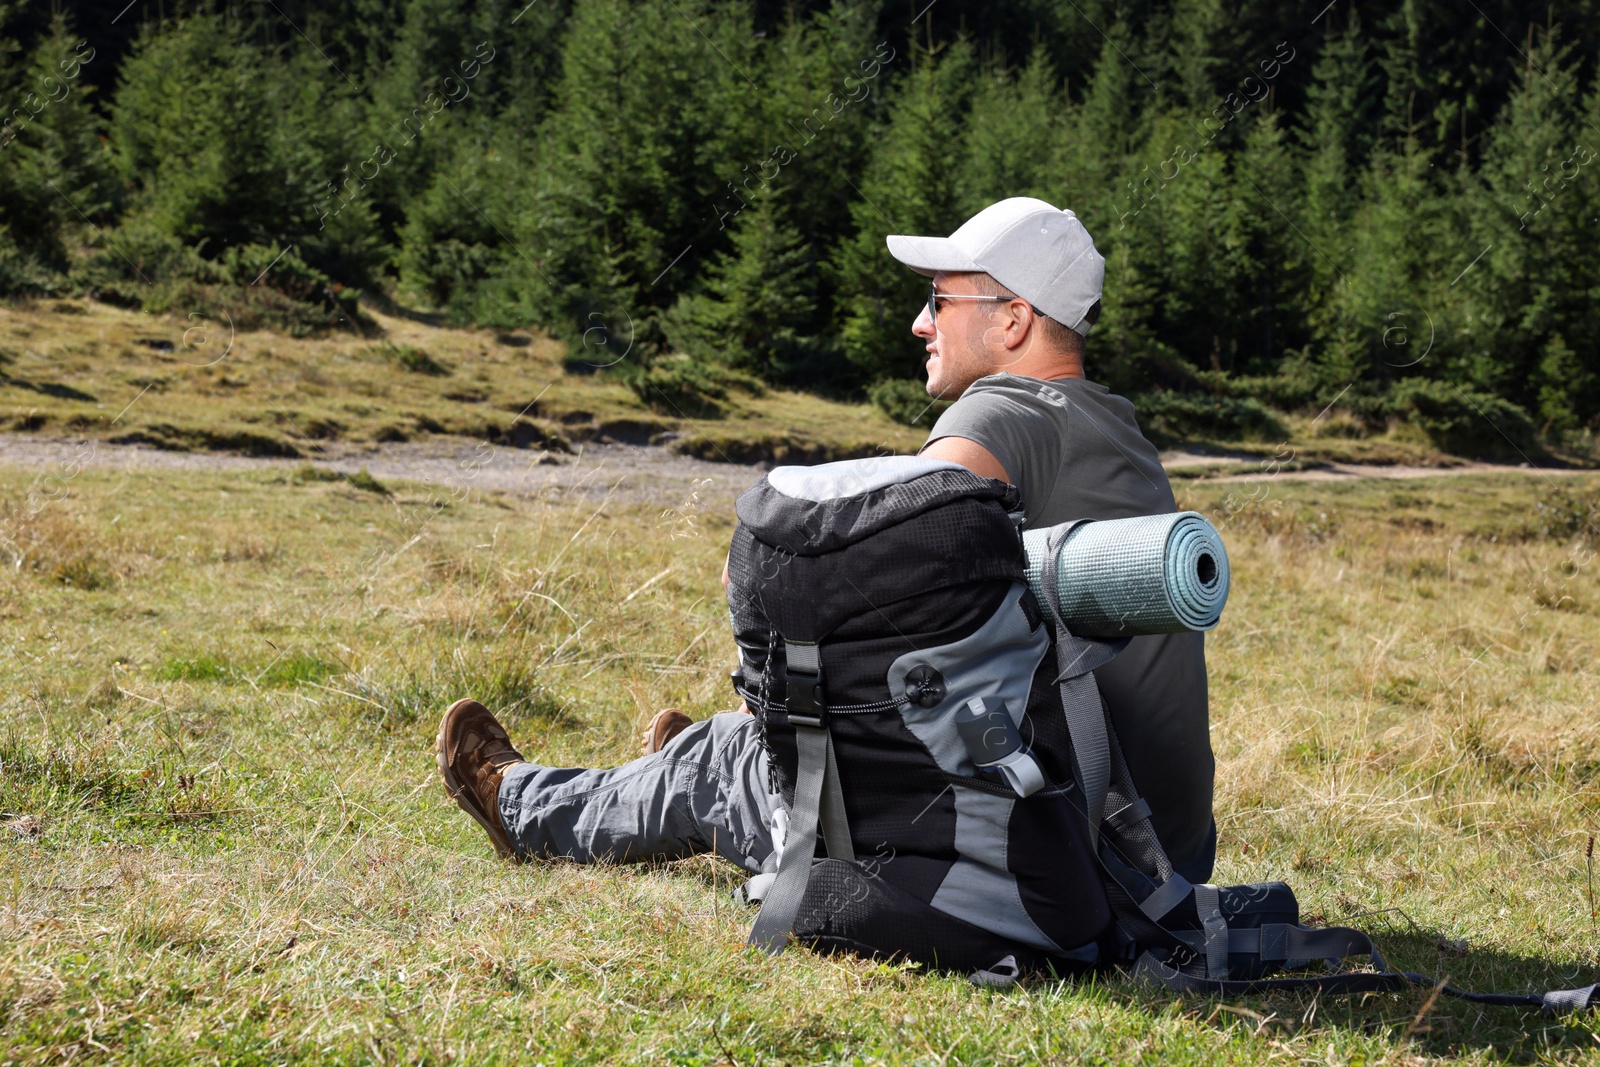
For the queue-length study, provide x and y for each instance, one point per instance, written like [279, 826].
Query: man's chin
[942, 389]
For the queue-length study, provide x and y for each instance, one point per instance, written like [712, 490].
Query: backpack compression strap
[818, 800]
[1280, 942]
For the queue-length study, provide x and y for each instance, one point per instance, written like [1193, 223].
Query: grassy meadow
[226, 841]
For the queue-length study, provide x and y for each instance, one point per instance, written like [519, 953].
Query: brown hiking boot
[663, 728]
[474, 752]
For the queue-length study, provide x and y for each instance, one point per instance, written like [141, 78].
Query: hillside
[83, 369]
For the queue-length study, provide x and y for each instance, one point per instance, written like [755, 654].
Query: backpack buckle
[803, 700]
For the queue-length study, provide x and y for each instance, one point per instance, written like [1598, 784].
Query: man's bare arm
[970, 454]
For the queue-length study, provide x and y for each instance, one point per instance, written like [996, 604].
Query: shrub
[1465, 422]
[361, 479]
[688, 387]
[412, 359]
[1184, 415]
[906, 402]
[251, 286]
[1564, 513]
[1284, 392]
[22, 274]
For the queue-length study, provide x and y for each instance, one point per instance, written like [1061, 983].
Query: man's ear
[1020, 321]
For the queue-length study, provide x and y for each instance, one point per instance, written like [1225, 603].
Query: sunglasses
[934, 296]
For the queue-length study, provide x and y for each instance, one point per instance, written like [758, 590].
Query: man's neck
[1046, 367]
[1073, 371]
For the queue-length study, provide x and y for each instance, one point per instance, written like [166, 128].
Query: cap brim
[929, 255]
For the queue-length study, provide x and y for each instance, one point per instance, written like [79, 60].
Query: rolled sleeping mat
[1154, 574]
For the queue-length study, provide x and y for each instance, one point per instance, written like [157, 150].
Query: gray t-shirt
[1075, 451]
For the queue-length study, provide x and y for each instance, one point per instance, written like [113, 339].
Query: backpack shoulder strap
[1076, 658]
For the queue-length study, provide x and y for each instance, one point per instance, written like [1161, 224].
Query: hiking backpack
[939, 734]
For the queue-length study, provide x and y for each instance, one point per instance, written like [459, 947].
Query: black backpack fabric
[908, 600]
[953, 790]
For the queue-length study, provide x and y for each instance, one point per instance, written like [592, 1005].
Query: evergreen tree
[1532, 211]
[1336, 133]
[1387, 310]
[1272, 253]
[1206, 39]
[1015, 137]
[757, 300]
[1566, 387]
[824, 81]
[420, 97]
[651, 111]
[55, 174]
[1110, 130]
[1103, 159]
[452, 244]
[226, 145]
[909, 187]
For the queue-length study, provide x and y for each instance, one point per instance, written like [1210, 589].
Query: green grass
[247, 858]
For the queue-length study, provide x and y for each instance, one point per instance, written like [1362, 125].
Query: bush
[1284, 392]
[22, 274]
[906, 402]
[411, 359]
[684, 386]
[252, 286]
[256, 308]
[1564, 513]
[134, 260]
[361, 479]
[1465, 422]
[1169, 416]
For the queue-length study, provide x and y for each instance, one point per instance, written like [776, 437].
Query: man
[1014, 292]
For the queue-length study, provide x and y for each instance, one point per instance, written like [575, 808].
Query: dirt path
[1251, 468]
[630, 473]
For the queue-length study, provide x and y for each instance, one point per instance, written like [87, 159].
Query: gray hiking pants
[706, 791]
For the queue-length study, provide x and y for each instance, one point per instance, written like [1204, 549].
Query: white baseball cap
[1038, 251]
